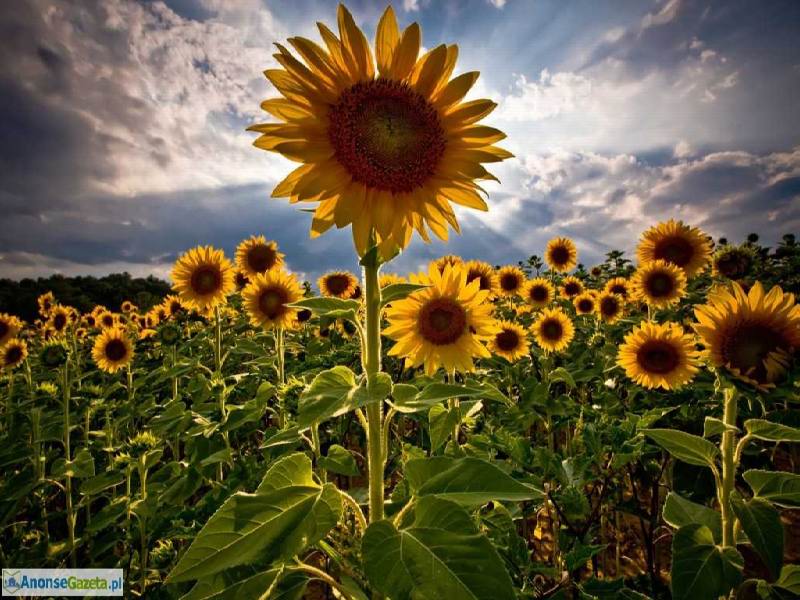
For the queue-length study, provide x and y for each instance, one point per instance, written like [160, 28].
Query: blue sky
[123, 142]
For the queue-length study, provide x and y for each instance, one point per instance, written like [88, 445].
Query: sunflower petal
[386, 38]
[405, 55]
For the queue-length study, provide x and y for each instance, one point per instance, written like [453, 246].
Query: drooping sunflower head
[385, 143]
[538, 292]
[659, 356]
[128, 307]
[571, 286]
[659, 283]
[256, 255]
[203, 278]
[448, 259]
[553, 330]
[10, 326]
[59, 319]
[585, 303]
[46, 303]
[338, 284]
[610, 307]
[387, 279]
[14, 353]
[484, 273]
[53, 354]
[510, 280]
[620, 286]
[734, 262]
[510, 342]
[561, 254]
[751, 334]
[676, 243]
[267, 297]
[112, 350]
[444, 324]
[169, 334]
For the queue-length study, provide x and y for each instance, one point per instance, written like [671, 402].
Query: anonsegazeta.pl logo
[62, 582]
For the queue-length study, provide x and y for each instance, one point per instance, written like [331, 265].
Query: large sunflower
[677, 243]
[659, 283]
[511, 342]
[561, 255]
[256, 255]
[484, 273]
[538, 292]
[553, 330]
[13, 353]
[112, 350]
[570, 287]
[619, 286]
[386, 144]
[267, 296]
[203, 278]
[751, 334]
[510, 280]
[444, 324]
[10, 326]
[173, 305]
[658, 356]
[585, 303]
[609, 307]
[338, 284]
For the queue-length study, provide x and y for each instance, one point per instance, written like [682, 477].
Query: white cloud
[551, 95]
[497, 3]
[411, 5]
[682, 149]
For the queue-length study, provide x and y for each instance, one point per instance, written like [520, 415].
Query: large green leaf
[468, 481]
[789, 579]
[441, 554]
[684, 446]
[778, 487]
[679, 512]
[339, 460]
[771, 432]
[105, 480]
[233, 586]
[442, 421]
[288, 512]
[333, 308]
[762, 523]
[700, 568]
[327, 396]
[398, 291]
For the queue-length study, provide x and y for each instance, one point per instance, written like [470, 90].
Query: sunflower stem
[727, 447]
[217, 341]
[68, 456]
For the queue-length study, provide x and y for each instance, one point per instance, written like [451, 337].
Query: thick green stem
[68, 457]
[217, 341]
[728, 448]
[280, 352]
[372, 366]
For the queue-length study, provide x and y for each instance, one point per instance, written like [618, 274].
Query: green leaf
[561, 374]
[108, 515]
[288, 512]
[778, 487]
[327, 396]
[81, 467]
[789, 579]
[771, 432]
[679, 512]
[576, 558]
[101, 482]
[182, 488]
[684, 446]
[700, 568]
[762, 523]
[380, 390]
[291, 435]
[649, 417]
[468, 481]
[231, 586]
[398, 291]
[437, 392]
[339, 460]
[332, 308]
[713, 427]
[442, 421]
[441, 554]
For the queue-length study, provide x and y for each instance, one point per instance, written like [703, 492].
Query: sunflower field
[534, 430]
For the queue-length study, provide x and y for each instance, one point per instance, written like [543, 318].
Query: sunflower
[510, 280]
[338, 284]
[46, 303]
[733, 262]
[386, 144]
[241, 280]
[444, 324]
[53, 354]
[596, 271]
[609, 307]
[303, 316]
[10, 326]
[89, 320]
[538, 292]
[553, 330]
[173, 305]
[256, 255]
[659, 356]
[59, 319]
[112, 350]
[571, 286]
[585, 303]
[677, 243]
[13, 353]
[484, 273]
[620, 286]
[659, 283]
[561, 255]
[510, 342]
[447, 259]
[203, 278]
[267, 296]
[128, 307]
[386, 279]
[752, 334]
[107, 320]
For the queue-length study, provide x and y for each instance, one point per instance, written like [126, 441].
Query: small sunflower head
[610, 307]
[13, 354]
[553, 330]
[538, 292]
[338, 284]
[571, 287]
[10, 327]
[203, 278]
[267, 299]
[510, 342]
[169, 334]
[585, 303]
[141, 443]
[561, 254]
[659, 356]
[659, 283]
[734, 262]
[676, 243]
[256, 255]
[112, 350]
[484, 273]
[510, 281]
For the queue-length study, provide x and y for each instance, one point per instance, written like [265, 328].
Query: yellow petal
[354, 43]
[285, 187]
[285, 110]
[469, 112]
[386, 38]
[302, 151]
[426, 74]
[456, 89]
[405, 55]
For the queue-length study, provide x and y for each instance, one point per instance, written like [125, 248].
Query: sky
[123, 137]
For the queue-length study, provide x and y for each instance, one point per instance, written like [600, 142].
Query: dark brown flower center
[304, 315]
[507, 340]
[90, 320]
[13, 354]
[241, 280]
[658, 356]
[386, 135]
[175, 307]
[206, 280]
[116, 350]
[539, 293]
[4, 328]
[485, 281]
[272, 302]
[442, 321]
[609, 306]
[620, 289]
[572, 288]
[510, 282]
[337, 284]
[676, 249]
[559, 255]
[552, 330]
[585, 305]
[108, 320]
[59, 321]
[733, 265]
[747, 346]
[660, 284]
[261, 258]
